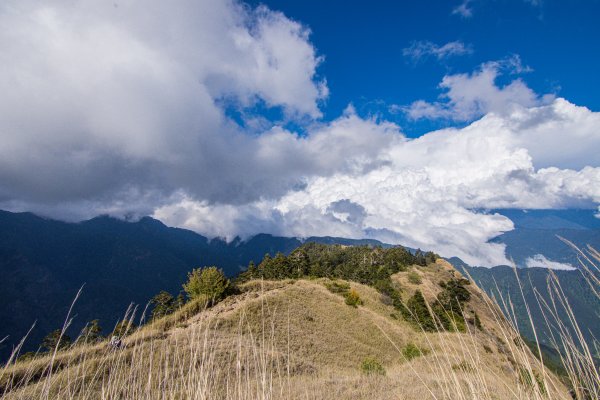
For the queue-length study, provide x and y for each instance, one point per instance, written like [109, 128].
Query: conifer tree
[54, 340]
[164, 304]
[180, 301]
[90, 332]
[420, 312]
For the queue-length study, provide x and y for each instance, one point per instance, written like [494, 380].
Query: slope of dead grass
[294, 339]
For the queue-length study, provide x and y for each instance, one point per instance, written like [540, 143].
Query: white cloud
[464, 9]
[420, 50]
[469, 96]
[121, 109]
[425, 192]
[540, 261]
[98, 99]
[558, 134]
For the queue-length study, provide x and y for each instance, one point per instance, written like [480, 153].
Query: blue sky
[363, 41]
[399, 121]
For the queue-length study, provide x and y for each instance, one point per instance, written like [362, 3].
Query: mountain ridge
[300, 338]
[44, 262]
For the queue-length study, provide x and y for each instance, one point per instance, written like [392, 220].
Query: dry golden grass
[295, 340]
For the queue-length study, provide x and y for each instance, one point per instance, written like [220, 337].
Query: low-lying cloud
[124, 109]
[540, 261]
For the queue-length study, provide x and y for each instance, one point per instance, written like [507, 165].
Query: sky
[401, 122]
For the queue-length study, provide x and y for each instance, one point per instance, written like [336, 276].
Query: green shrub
[56, 340]
[208, 283]
[518, 341]
[411, 351]
[540, 382]
[180, 301]
[449, 306]
[371, 366]
[353, 299]
[390, 293]
[419, 312]
[454, 295]
[337, 287]
[414, 278]
[457, 323]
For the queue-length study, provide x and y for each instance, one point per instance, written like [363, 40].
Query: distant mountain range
[501, 282]
[537, 232]
[535, 242]
[44, 262]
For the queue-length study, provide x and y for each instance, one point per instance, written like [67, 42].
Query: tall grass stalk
[192, 363]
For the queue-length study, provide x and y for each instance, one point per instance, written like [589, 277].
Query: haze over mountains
[44, 262]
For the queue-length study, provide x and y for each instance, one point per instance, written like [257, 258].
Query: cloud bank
[425, 192]
[125, 109]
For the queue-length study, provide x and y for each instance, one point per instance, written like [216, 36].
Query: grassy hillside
[301, 338]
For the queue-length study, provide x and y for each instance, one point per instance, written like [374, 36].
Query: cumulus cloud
[427, 192]
[123, 109]
[469, 96]
[420, 50]
[99, 100]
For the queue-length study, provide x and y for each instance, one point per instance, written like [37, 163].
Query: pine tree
[420, 258]
[299, 261]
[454, 295]
[180, 301]
[90, 333]
[53, 340]
[420, 312]
[264, 266]
[252, 271]
[164, 304]
[278, 268]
